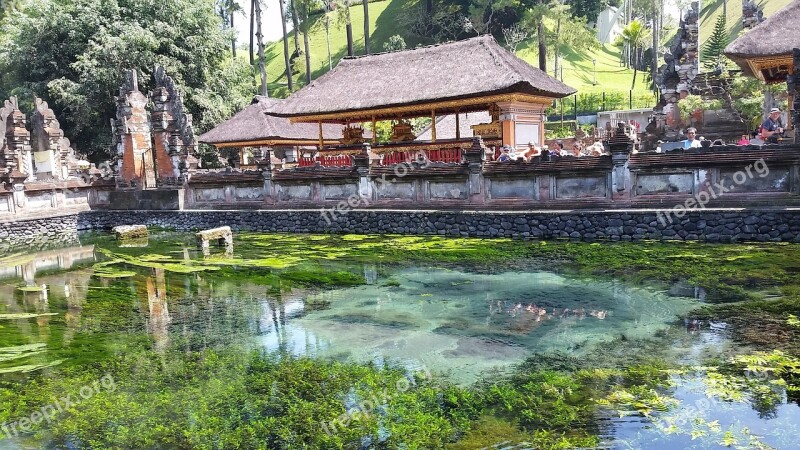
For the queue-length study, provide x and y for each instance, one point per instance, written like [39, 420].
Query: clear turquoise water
[459, 322]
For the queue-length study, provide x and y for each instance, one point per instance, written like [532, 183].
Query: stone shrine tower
[173, 134]
[52, 152]
[132, 137]
[15, 144]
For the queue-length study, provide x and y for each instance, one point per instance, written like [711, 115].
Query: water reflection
[456, 322]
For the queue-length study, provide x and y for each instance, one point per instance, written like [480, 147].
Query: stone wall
[39, 233]
[712, 225]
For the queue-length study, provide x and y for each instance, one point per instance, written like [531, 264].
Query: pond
[295, 341]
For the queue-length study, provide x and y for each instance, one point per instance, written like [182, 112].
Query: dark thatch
[253, 124]
[457, 70]
[446, 125]
[776, 36]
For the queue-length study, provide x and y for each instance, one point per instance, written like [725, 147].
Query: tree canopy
[74, 53]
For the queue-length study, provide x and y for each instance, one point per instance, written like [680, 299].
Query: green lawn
[711, 9]
[385, 21]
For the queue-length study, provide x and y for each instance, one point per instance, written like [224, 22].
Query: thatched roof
[468, 69]
[446, 125]
[776, 36]
[254, 125]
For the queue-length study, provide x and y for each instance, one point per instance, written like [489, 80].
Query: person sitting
[772, 127]
[691, 139]
[505, 156]
[743, 140]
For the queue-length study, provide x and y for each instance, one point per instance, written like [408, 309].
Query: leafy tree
[588, 9]
[713, 53]
[395, 43]
[74, 54]
[227, 10]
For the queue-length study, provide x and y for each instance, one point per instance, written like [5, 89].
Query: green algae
[31, 288]
[551, 401]
[17, 316]
[26, 368]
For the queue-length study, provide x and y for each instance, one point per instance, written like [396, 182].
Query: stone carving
[752, 15]
[173, 133]
[676, 77]
[132, 135]
[53, 153]
[15, 143]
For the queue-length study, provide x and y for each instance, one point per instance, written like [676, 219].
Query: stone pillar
[173, 134]
[265, 166]
[133, 138]
[522, 117]
[15, 146]
[675, 78]
[620, 146]
[793, 81]
[475, 157]
[361, 161]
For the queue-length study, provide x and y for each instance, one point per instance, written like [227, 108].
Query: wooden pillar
[433, 125]
[458, 126]
[321, 142]
[789, 124]
[374, 131]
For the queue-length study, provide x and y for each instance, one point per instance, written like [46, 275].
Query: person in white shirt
[691, 139]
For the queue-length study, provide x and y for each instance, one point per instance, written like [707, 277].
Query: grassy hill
[711, 9]
[386, 21]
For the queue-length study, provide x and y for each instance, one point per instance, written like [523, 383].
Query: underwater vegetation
[182, 390]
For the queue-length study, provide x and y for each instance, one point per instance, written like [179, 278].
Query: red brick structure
[173, 134]
[132, 135]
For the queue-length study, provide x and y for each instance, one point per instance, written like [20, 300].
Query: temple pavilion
[469, 76]
[765, 52]
[253, 128]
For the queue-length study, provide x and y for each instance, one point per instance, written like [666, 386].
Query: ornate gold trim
[378, 150]
[769, 62]
[334, 152]
[420, 110]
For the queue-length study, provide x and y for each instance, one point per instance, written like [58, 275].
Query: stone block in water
[124, 232]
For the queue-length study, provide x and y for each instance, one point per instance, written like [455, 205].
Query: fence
[591, 103]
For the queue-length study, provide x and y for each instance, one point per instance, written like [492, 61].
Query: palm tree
[262, 68]
[286, 47]
[366, 27]
[536, 15]
[636, 36]
[327, 8]
[343, 16]
[305, 41]
[296, 23]
[226, 10]
[252, 29]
